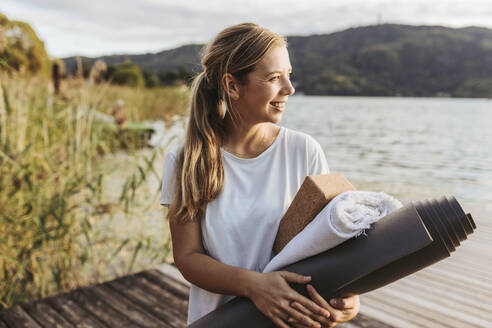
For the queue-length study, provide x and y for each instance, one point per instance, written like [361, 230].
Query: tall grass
[144, 104]
[68, 200]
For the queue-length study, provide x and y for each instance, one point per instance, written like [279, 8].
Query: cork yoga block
[315, 192]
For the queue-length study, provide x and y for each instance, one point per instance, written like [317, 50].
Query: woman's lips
[278, 105]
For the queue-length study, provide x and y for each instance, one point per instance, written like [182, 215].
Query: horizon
[96, 29]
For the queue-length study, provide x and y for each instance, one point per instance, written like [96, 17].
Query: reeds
[73, 210]
[145, 104]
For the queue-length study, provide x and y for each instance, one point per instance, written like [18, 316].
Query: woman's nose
[288, 89]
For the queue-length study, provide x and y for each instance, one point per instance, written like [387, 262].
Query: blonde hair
[199, 172]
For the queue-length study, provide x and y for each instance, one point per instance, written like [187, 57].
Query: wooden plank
[402, 317]
[475, 272]
[459, 289]
[46, 315]
[424, 308]
[71, 311]
[167, 283]
[382, 314]
[364, 321]
[467, 270]
[131, 310]
[102, 311]
[472, 282]
[164, 295]
[453, 282]
[16, 316]
[162, 310]
[450, 302]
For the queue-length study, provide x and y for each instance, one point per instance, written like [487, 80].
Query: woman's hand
[341, 309]
[273, 296]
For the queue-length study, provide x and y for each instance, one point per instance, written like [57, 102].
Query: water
[412, 148]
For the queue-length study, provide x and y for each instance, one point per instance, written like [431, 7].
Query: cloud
[95, 27]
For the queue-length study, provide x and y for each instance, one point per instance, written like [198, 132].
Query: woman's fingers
[296, 315]
[301, 308]
[318, 318]
[339, 309]
[285, 312]
[294, 277]
[312, 306]
[344, 302]
[314, 312]
[297, 278]
[346, 309]
[317, 297]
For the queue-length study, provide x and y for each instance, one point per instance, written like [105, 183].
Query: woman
[230, 183]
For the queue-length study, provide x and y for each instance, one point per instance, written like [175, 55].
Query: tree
[21, 49]
[150, 78]
[168, 78]
[126, 73]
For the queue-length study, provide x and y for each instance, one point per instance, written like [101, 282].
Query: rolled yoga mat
[399, 244]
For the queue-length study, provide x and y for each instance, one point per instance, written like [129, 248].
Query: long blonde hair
[199, 171]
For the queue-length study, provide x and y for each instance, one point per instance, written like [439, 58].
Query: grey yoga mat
[401, 243]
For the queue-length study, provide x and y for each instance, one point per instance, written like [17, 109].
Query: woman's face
[264, 96]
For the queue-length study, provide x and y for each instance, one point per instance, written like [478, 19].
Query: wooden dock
[152, 298]
[145, 299]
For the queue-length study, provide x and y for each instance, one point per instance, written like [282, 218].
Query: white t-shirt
[240, 225]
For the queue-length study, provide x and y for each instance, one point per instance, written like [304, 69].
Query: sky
[103, 27]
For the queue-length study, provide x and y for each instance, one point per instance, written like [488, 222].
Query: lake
[412, 148]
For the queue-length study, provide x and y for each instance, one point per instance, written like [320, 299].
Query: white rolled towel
[345, 216]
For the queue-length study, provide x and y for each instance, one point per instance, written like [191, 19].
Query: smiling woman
[229, 184]
[259, 101]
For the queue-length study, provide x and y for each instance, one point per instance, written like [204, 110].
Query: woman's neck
[249, 141]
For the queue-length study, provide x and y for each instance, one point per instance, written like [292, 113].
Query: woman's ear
[230, 86]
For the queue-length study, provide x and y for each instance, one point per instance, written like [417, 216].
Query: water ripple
[438, 144]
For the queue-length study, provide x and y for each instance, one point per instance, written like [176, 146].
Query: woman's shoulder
[174, 150]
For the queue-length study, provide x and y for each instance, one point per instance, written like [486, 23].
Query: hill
[187, 57]
[380, 60]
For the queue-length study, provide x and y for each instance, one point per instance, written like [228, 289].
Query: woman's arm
[270, 292]
[202, 270]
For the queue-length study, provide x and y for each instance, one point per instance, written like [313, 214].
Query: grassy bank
[57, 216]
[141, 103]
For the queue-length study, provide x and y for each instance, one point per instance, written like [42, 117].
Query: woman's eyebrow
[278, 71]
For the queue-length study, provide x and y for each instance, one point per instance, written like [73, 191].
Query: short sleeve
[318, 164]
[168, 179]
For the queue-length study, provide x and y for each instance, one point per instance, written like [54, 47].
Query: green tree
[150, 78]
[126, 73]
[168, 78]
